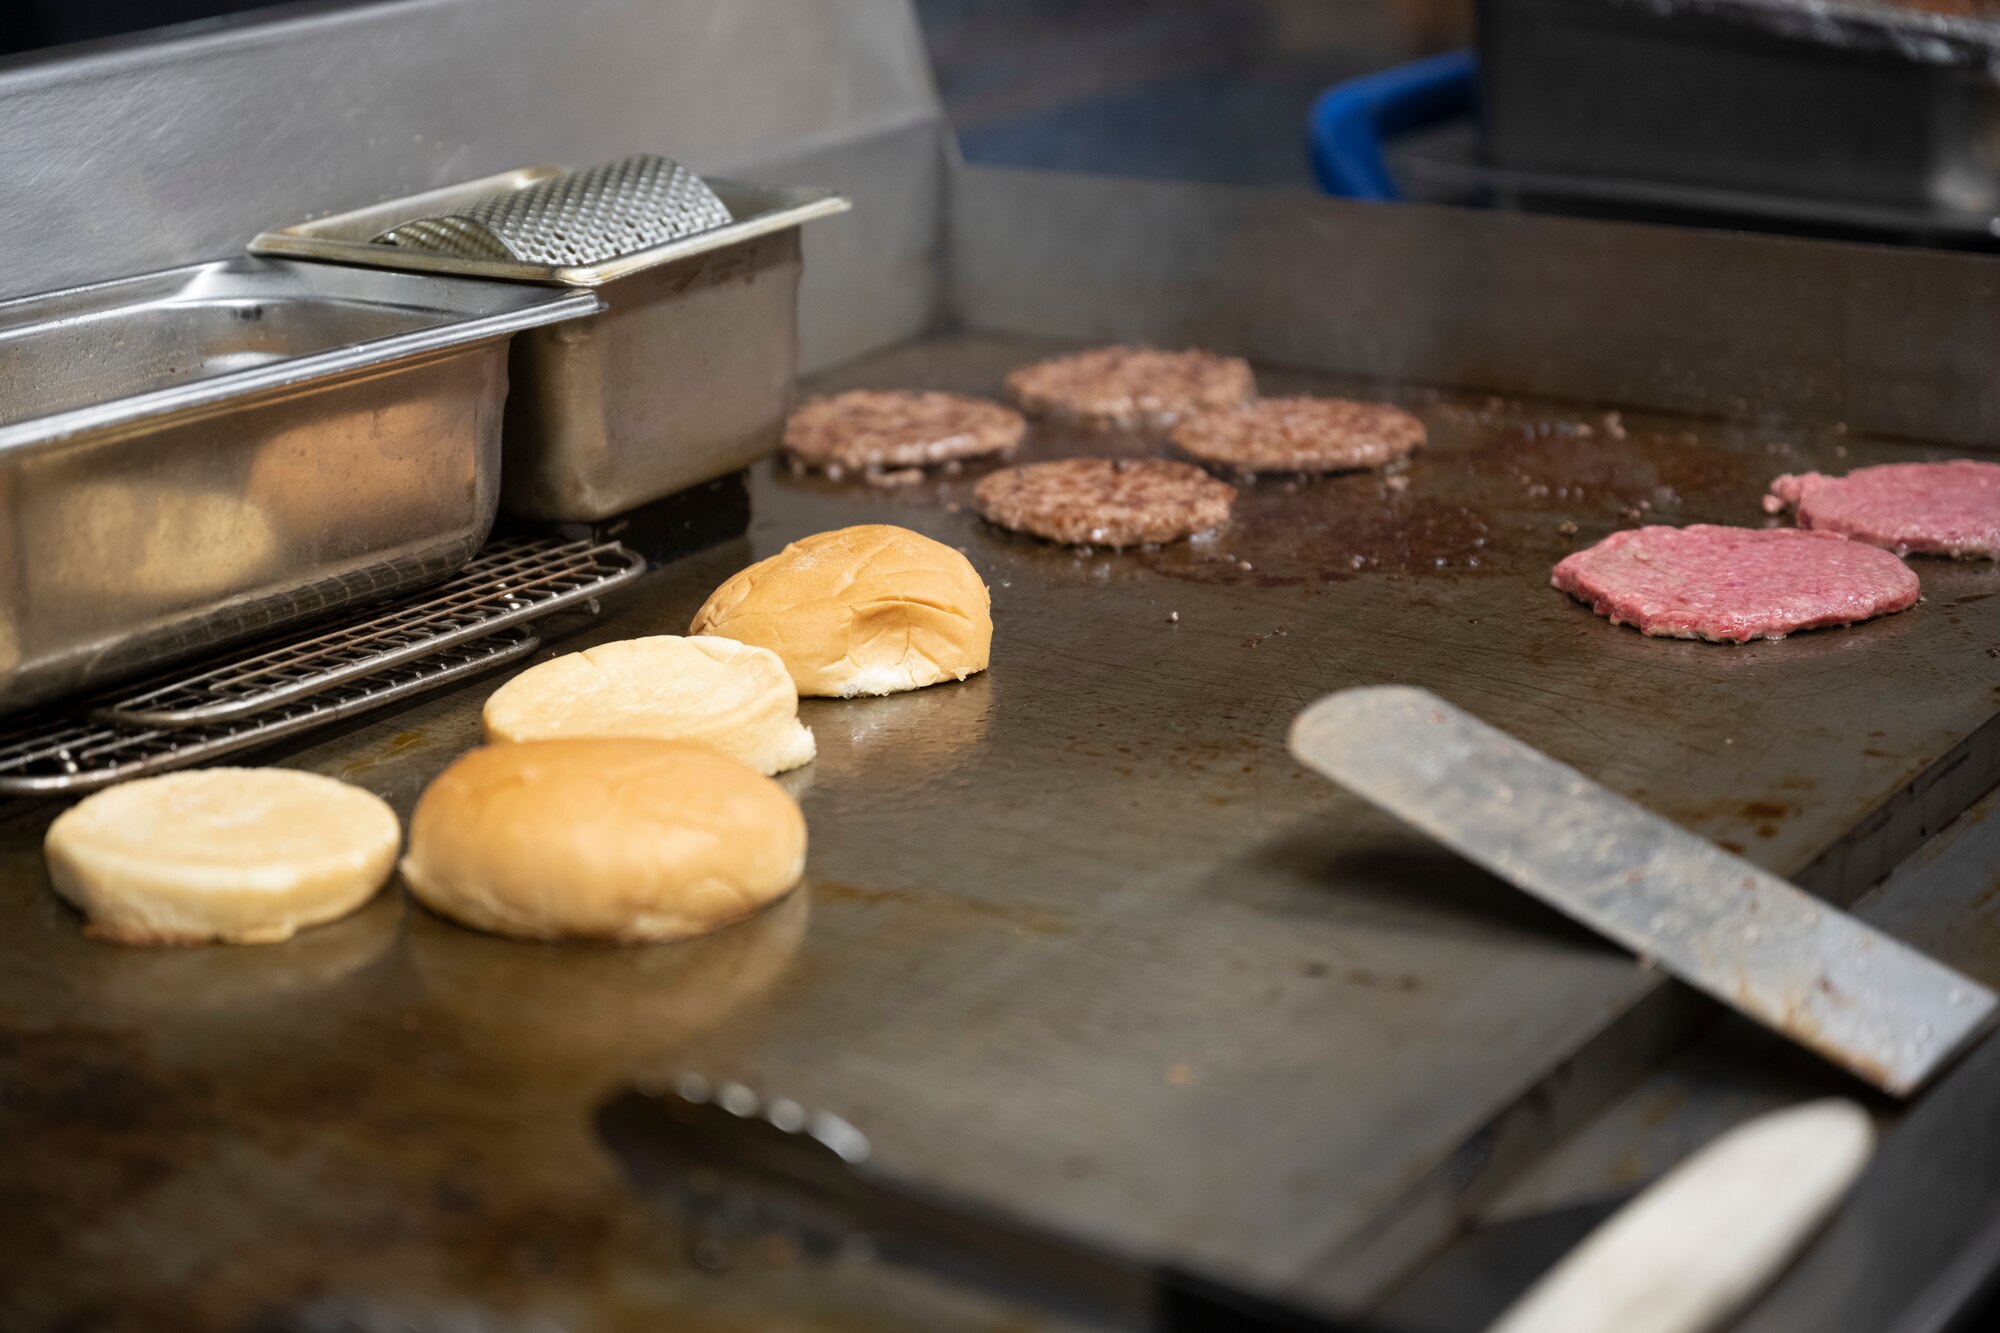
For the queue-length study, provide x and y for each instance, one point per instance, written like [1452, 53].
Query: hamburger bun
[617, 841]
[241, 855]
[873, 609]
[716, 692]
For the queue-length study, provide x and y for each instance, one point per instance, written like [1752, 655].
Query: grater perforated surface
[580, 217]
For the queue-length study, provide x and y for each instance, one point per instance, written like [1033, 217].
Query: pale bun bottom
[229, 855]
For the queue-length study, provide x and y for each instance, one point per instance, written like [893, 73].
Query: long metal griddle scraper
[1772, 952]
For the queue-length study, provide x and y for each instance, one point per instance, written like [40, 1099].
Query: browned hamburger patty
[1105, 501]
[1300, 435]
[878, 428]
[1131, 388]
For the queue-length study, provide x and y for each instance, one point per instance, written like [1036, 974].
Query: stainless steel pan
[685, 377]
[192, 456]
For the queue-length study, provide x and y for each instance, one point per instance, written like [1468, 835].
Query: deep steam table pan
[1840, 102]
[194, 456]
[684, 378]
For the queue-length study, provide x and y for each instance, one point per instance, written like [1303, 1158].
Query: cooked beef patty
[1300, 435]
[1105, 501]
[1131, 388]
[1731, 585]
[877, 428]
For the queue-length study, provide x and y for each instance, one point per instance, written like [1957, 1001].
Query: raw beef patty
[1300, 435]
[1921, 508]
[1131, 388]
[872, 428]
[1105, 501]
[1731, 585]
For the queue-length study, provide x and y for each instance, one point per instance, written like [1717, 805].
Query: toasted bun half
[240, 855]
[865, 610]
[619, 841]
[716, 692]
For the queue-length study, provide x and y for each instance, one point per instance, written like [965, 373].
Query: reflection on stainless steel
[684, 378]
[530, 1003]
[916, 736]
[214, 981]
[193, 456]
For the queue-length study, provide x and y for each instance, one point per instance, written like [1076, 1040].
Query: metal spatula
[1776, 954]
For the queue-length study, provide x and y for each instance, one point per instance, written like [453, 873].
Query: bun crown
[612, 840]
[864, 610]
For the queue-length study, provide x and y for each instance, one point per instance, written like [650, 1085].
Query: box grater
[578, 217]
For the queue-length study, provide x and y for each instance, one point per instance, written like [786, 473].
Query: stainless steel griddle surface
[1078, 937]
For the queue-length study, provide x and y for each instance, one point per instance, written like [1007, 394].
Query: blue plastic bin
[1348, 122]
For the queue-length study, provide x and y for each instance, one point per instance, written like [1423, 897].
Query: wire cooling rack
[312, 677]
[510, 581]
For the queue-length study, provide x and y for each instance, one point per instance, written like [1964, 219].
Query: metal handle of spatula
[1693, 1249]
[1771, 951]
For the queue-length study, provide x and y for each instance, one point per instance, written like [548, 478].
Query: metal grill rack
[511, 580]
[82, 753]
[463, 626]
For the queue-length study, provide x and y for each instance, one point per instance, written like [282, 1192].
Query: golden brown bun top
[605, 839]
[862, 610]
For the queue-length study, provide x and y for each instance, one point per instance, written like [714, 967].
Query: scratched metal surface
[1757, 943]
[1078, 937]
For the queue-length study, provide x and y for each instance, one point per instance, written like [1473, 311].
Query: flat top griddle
[1078, 936]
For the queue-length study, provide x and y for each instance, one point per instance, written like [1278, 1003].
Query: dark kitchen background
[1208, 90]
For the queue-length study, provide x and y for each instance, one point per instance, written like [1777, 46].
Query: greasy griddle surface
[1079, 936]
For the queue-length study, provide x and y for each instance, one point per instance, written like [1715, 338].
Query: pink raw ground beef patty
[1732, 585]
[1911, 508]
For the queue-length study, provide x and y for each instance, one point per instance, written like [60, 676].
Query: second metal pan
[684, 378]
